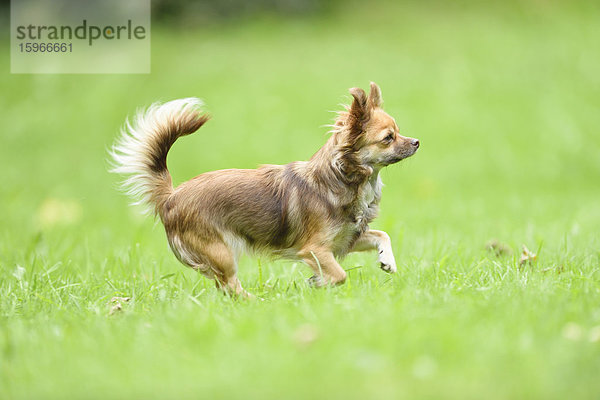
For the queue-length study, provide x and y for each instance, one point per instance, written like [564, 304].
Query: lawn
[504, 99]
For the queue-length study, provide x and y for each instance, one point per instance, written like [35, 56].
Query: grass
[504, 100]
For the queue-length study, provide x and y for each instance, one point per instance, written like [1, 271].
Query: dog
[314, 211]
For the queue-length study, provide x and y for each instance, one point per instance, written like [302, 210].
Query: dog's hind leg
[223, 263]
[214, 259]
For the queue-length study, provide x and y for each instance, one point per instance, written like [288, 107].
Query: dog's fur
[313, 210]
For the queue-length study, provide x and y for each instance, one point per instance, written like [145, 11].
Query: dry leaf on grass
[527, 256]
[117, 306]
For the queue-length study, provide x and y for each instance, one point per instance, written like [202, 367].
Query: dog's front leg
[326, 268]
[380, 241]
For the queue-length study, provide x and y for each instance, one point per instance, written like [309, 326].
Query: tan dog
[312, 211]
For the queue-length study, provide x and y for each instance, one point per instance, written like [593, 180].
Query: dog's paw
[316, 281]
[387, 263]
[390, 269]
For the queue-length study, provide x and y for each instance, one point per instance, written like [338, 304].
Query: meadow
[504, 99]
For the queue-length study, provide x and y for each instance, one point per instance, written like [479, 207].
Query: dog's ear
[358, 114]
[375, 99]
[359, 104]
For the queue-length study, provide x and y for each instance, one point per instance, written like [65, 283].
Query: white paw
[387, 262]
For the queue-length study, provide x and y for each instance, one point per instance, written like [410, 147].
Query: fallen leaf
[117, 307]
[527, 256]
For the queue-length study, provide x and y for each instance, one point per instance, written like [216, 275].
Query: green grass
[505, 102]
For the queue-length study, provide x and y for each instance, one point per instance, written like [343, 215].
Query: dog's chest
[368, 201]
[362, 211]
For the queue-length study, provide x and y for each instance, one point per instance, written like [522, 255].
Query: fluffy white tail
[140, 153]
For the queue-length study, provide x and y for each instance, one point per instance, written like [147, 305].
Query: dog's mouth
[395, 160]
[399, 157]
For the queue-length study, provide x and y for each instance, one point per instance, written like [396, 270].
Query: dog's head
[370, 133]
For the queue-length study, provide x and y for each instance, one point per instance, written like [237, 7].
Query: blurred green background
[504, 97]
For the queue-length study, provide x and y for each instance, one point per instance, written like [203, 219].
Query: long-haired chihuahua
[315, 211]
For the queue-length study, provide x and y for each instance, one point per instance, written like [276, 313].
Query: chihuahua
[314, 211]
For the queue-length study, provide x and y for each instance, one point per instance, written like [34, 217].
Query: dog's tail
[140, 153]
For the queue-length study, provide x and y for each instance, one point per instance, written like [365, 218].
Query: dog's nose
[415, 142]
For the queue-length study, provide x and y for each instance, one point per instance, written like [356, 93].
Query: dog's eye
[389, 138]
